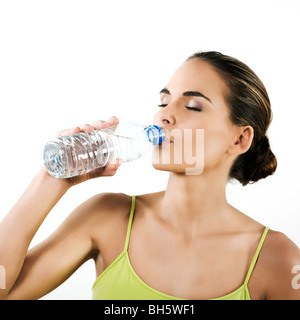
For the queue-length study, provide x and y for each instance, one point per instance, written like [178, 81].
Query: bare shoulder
[281, 250]
[279, 257]
[98, 216]
[106, 209]
[106, 217]
[107, 202]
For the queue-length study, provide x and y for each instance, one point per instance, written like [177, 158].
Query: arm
[51, 262]
[24, 272]
[20, 225]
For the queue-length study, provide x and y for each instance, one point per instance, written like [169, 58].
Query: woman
[186, 242]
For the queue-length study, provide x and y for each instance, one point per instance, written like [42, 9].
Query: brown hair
[249, 104]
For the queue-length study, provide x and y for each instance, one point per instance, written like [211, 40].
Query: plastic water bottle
[79, 153]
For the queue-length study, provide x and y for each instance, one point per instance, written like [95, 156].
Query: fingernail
[116, 161]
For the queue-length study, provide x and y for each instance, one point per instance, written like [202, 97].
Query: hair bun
[266, 162]
[257, 163]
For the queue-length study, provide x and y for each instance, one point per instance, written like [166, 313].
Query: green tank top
[119, 281]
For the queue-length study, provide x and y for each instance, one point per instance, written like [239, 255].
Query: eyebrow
[188, 94]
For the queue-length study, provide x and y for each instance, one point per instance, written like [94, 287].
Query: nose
[165, 121]
[166, 118]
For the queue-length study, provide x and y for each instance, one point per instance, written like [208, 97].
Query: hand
[108, 170]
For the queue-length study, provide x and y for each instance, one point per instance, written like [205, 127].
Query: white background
[65, 63]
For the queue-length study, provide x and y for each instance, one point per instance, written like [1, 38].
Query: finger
[68, 131]
[112, 167]
[116, 162]
[100, 124]
[88, 128]
[113, 120]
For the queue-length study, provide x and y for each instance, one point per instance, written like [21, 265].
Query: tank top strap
[257, 252]
[130, 222]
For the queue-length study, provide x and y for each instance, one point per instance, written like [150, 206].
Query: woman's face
[195, 116]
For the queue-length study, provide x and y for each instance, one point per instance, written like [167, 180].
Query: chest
[201, 268]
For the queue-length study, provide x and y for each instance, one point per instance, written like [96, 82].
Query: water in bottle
[79, 153]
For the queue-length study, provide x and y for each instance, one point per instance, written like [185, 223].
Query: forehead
[197, 75]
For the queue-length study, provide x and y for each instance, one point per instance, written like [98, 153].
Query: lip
[167, 140]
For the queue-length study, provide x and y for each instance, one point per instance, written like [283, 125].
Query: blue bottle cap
[156, 134]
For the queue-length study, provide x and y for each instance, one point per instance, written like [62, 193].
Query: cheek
[216, 142]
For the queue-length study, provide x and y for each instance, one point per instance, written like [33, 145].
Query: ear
[243, 140]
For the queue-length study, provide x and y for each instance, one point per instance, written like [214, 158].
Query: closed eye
[193, 108]
[189, 108]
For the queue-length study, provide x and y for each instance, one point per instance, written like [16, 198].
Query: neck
[195, 200]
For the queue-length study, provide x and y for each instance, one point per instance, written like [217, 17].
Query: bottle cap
[156, 134]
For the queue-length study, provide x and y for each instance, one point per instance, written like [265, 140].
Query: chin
[163, 163]
[161, 160]
[180, 169]
[167, 167]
